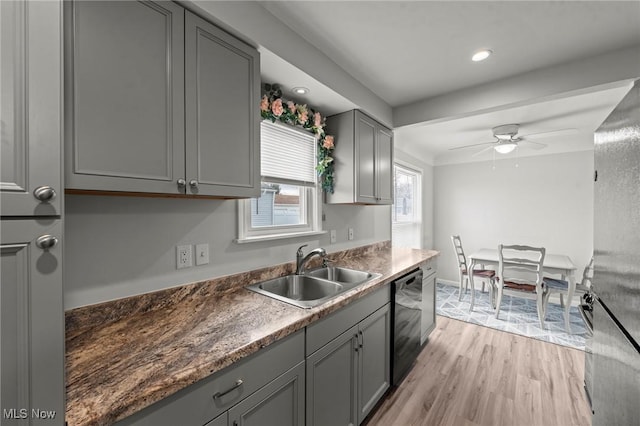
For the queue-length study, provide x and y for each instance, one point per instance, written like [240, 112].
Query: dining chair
[560, 286]
[520, 275]
[484, 275]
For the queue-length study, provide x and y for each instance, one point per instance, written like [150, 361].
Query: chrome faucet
[301, 259]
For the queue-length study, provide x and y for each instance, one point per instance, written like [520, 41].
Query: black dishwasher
[406, 308]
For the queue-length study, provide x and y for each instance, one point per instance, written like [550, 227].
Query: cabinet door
[428, 306]
[221, 420]
[222, 112]
[332, 381]
[31, 324]
[30, 108]
[280, 403]
[374, 361]
[365, 159]
[125, 103]
[384, 166]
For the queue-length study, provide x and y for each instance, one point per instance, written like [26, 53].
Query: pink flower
[292, 106]
[264, 103]
[317, 120]
[276, 107]
[303, 114]
[328, 142]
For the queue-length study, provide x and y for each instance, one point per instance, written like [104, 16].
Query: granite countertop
[123, 356]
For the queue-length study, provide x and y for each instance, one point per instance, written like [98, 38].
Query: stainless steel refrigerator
[616, 283]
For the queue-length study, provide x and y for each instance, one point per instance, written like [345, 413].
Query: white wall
[546, 201]
[122, 246]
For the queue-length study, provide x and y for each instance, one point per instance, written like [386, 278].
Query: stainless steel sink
[300, 290]
[342, 275]
[315, 287]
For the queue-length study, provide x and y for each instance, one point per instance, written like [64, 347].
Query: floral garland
[273, 108]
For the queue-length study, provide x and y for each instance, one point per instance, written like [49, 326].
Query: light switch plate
[333, 237]
[350, 234]
[202, 254]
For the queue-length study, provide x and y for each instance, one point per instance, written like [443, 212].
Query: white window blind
[288, 154]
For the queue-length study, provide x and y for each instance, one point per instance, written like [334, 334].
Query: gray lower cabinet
[264, 389]
[349, 374]
[428, 300]
[280, 403]
[332, 380]
[363, 159]
[374, 360]
[31, 323]
[221, 420]
[159, 101]
[345, 373]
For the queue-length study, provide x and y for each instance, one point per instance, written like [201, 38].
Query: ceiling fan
[507, 139]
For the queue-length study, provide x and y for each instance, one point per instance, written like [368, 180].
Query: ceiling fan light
[505, 148]
[481, 55]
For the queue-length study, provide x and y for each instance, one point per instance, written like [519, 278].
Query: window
[407, 212]
[289, 201]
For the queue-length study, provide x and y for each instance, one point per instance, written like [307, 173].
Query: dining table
[553, 264]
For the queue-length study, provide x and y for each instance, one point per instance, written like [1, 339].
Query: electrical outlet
[350, 234]
[184, 258]
[334, 236]
[202, 254]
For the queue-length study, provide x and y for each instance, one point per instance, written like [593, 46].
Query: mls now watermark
[23, 413]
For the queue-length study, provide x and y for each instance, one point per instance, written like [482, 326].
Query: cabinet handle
[239, 383]
[361, 338]
[44, 193]
[357, 345]
[193, 183]
[181, 183]
[45, 242]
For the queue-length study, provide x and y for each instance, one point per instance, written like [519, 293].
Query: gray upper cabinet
[363, 159]
[126, 105]
[222, 123]
[30, 96]
[159, 101]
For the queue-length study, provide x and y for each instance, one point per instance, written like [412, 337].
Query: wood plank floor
[470, 375]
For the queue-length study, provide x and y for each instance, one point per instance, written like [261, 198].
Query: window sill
[278, 236]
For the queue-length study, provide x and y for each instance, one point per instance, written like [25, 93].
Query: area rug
[517, 316]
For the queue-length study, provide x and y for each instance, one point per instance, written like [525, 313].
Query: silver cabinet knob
[44, 193]
[181, 183]
[193, 183]
[45, 242]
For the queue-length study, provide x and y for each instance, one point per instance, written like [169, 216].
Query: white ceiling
[409, 51]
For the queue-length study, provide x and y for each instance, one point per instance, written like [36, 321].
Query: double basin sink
[314, 287]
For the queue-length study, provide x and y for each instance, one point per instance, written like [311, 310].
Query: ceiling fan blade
[534, 145]
[540, 135]
[482, 151]
[471, 146]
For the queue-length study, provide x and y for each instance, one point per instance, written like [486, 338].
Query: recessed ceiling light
[481, 55]
[300, 90]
